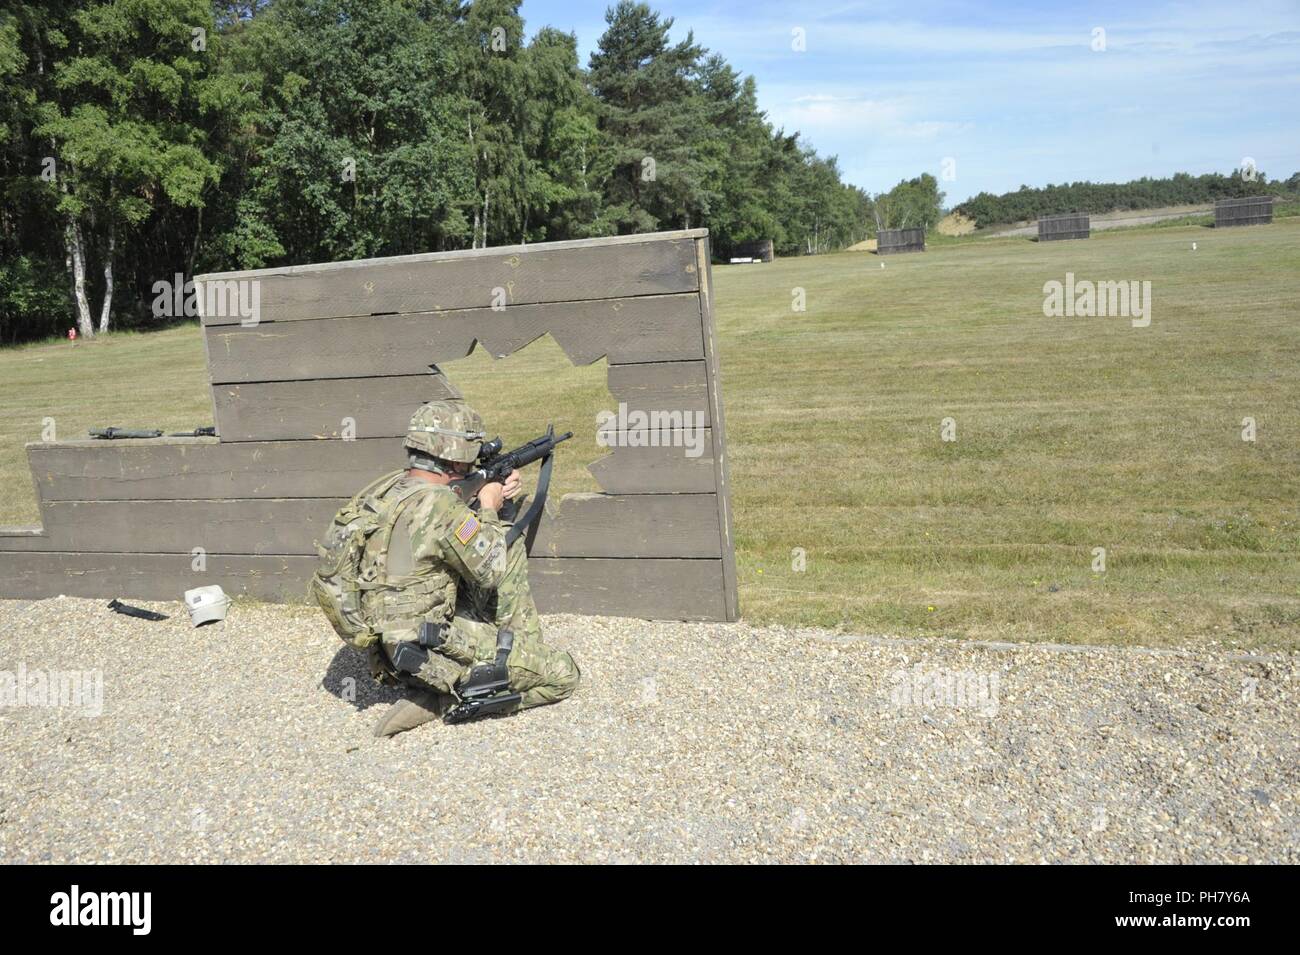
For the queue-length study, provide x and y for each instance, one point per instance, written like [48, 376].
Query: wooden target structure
[311, 401]
[1073, 225]
[893, 241]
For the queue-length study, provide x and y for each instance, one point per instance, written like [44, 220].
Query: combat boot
[417, 709]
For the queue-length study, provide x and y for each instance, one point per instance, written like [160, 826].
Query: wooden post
[718, 430]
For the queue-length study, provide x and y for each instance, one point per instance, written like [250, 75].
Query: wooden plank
[360, 347]
[663, 386]
[204, 469]
[564, 245]
[286, 410]
[731, 600]
[545, 272]
[648, 525]
[637, 525]
[653, 589]
[654, 429]
[650, 328]
[657, 470]
[266, 526]
[152, 576]
[18, 535]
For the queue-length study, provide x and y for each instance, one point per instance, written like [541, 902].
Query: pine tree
[651, 112]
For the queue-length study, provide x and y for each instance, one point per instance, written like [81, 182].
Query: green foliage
[355, 152]
[188, 135]
[567, 159]
[32, 299]
[116, 127]
[126, 119]
[651, 114]
[690, 147]
[1097, 197]
[913, 203]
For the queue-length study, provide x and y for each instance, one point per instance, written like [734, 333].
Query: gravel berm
[686, 742]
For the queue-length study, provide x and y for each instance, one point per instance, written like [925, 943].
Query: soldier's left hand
[513, 485]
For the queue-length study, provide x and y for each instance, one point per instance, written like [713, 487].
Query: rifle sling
[529, 521]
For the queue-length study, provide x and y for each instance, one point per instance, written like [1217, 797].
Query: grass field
[1072, 434]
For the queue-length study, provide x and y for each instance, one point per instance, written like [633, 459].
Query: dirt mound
[955, 224]
[869, 245]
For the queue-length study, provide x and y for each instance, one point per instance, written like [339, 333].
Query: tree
[144, 138]
[129, 81]
[1029, 203]
[651, 114]
[913, 203]
[361, 148]
[30, 284]
[567, 157]
[736, 148]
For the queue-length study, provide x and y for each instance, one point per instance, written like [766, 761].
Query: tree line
[1098, 197]
[140, 139]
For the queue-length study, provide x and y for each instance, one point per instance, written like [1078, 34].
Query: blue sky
[1012, 92]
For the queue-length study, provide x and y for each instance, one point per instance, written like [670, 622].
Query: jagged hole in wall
[519, 395]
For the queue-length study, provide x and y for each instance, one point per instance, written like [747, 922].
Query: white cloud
[844, 113]
[1014, 92]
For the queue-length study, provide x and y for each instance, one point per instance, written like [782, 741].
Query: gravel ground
[237, 742]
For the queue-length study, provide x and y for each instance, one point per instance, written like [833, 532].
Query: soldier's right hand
[491, 495]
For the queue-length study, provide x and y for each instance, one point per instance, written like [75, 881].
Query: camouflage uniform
[450, 565]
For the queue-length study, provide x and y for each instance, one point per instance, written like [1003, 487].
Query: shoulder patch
[468, 528]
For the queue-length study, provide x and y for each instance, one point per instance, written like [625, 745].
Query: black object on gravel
[118, 607]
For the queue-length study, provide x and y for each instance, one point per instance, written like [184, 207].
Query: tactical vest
[361, 590]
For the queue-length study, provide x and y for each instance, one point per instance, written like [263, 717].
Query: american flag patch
[467, 530]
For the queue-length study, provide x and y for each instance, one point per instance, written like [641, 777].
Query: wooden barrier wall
[349, 346]
[1069, 226]
[760, 249]
[1247, 210]
[890, 241]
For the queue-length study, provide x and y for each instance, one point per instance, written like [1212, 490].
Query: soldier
[459, 623]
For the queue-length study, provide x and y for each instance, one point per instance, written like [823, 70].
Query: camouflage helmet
[450, 430]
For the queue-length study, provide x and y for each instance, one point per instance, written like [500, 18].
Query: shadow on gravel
[348, 677]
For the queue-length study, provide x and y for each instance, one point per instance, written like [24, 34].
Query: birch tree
[123, 126]
[494, 81]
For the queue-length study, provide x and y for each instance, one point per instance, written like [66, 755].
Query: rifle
[493, 465]
[112, 433]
